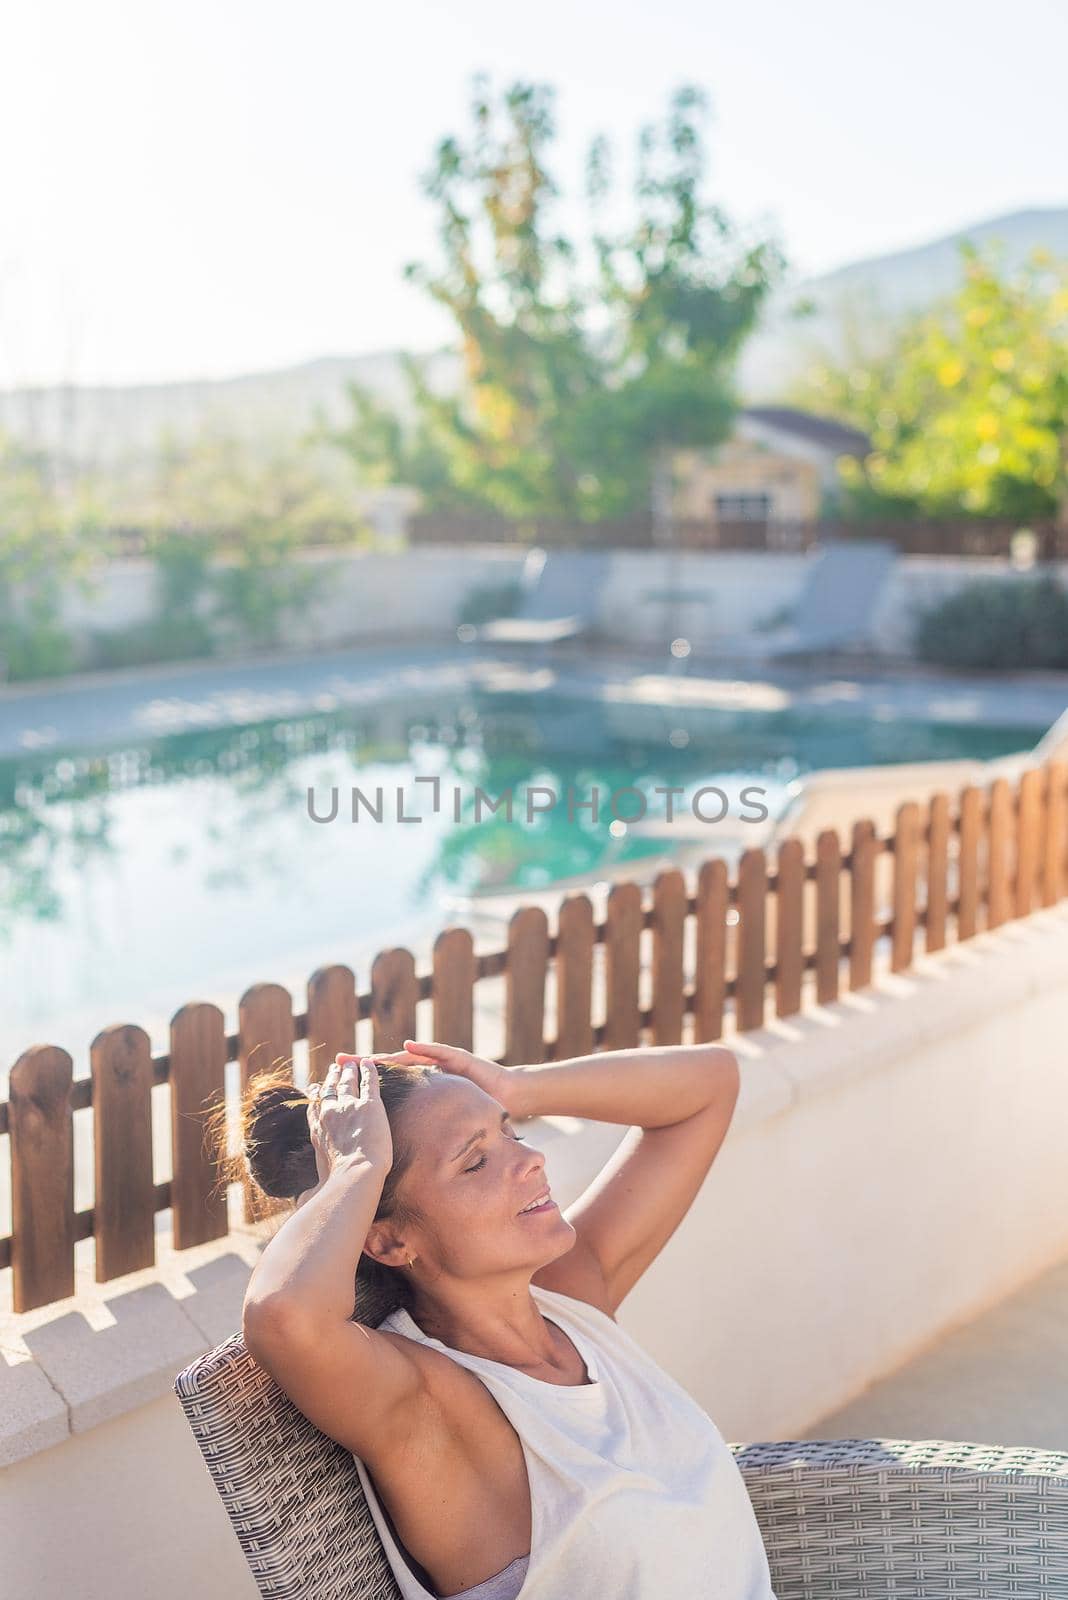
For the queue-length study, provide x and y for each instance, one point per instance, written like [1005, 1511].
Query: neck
[499, 1321]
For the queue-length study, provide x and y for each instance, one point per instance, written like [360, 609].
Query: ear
[382, 1244]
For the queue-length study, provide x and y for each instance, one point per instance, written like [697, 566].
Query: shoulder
[446, 1388]
[454, 1431]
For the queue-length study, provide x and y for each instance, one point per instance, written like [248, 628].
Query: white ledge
[109, 1348]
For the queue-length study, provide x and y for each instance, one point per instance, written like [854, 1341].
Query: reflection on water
[186, 867]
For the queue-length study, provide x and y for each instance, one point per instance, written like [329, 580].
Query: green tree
[48, 539]
[224, 521]
[581, 368]
[219, 482]
[967, 408]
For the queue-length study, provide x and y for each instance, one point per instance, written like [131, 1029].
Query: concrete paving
[1001, 1378]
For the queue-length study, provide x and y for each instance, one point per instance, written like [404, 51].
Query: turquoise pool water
[134, 879]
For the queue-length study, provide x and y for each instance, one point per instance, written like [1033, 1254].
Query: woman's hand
[396, 1058]
[351, 1122]
[496, 1080]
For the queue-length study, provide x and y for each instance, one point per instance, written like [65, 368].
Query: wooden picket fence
[662, 966]
[984, 538]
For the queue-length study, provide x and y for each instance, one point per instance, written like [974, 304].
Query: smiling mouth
[546, 1203]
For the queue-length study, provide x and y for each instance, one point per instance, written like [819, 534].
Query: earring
[410, 1261]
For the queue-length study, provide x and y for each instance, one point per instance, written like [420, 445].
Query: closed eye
[481, 1162]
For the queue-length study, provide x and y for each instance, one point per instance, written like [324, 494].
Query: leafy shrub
[260, 584]
[205, 603]
[1006, 623]
[162, 639]
[33, 647]
[48, 541]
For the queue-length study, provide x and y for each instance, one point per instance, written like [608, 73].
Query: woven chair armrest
[293, 1496]
[911, 1519]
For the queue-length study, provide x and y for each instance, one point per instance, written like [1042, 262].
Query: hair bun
[277, 1153]
[276, 1140]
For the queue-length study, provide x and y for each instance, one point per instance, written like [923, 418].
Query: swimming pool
[182, 867]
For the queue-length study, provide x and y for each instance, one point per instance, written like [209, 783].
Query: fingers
[351, 1075]
[325, 1092]
[379, 1056]
[430, 1050]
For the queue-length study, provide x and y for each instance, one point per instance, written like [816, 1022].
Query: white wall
[895, 1165]
[915, 1176]
[728, 593]
[419, 592]
[126, 1512]
[365, 594]
[117, 595]
[720, 597]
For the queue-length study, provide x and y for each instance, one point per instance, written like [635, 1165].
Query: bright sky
[204, 187]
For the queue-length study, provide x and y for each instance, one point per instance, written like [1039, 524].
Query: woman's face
[470, 1177]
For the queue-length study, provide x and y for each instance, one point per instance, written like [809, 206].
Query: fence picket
[710, 976]
[669, 926]
[972, 806]
[124, 1209]
[454, 988]
[265, 1041]
[789, 954]
[41, 1125]
[1055, 833]
[863, 852]
[1028, 834]
[525, 977]
[332, 1012]
[906, 865]
[937, 870]
[394, 993]
[574, 978]
[828, 902]
[265, 1029]
[197, 1075]
[750, 974]
[622, 944]
[999, 844]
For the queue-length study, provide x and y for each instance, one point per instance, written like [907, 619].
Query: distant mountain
[111, 425]
[869, 296]
[121, 423]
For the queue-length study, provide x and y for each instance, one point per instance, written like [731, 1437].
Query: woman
[511, 1438]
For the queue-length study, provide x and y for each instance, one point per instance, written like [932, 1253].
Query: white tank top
[634, 1493]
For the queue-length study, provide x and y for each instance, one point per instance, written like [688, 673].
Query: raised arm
[347, 1379]
[678, 1099]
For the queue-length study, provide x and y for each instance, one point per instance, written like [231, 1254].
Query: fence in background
[780, 935]
[975, 538]
[978, 537]
[630, 533]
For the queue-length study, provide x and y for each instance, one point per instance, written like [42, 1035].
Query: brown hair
[278, 1155]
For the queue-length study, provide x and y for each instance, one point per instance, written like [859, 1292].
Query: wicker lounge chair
[852, 1519]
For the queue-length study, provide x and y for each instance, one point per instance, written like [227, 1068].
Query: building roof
[823, 431]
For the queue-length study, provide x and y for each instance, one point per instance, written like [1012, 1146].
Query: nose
[531, 1159]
